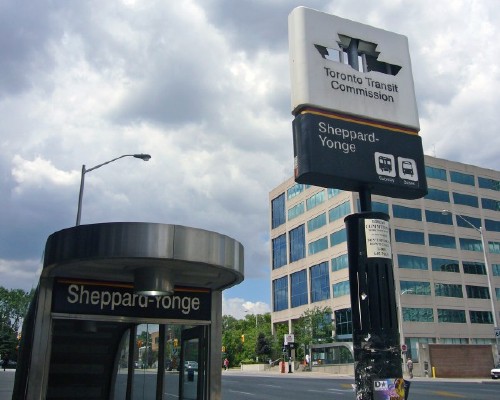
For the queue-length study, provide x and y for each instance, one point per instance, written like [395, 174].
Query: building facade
[448, 285]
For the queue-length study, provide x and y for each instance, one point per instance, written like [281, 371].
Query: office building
[448, 287]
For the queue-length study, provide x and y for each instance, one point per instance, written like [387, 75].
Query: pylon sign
[356, 120]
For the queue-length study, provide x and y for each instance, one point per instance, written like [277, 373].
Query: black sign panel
[338, 152]
[115, 299]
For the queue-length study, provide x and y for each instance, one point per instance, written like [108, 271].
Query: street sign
[404, 348]
[289, 338]
[497, 333]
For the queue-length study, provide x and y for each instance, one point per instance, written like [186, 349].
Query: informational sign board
[118, 299]
[389, 389]
[340, 152]
[381, 87]
[378, 238]
[288, 338]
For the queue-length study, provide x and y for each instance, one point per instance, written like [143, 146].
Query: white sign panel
[289, 338]
[378, 238]
[322, 49]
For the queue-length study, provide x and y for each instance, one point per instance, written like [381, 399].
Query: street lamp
[144, 157]
[488, 275]
[256, 315]
[401, 335]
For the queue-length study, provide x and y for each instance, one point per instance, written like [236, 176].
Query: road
[250, 386]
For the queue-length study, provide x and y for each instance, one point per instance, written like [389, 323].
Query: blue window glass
[338, 237]
[318, 245]
[448, 290]
[411, 314]
[411, 237]
[497, 293]
[416, 287]
[340, 211]
[470, 244]
[496, 269]
[380, 207]
[437, 217]
[280, 294]
[342, 262]
[460, 177]
[316, 222]
[315, 200]
[279, 251]
[490, 204]
[296, 210]
[297, 239]
[320, 282]
[295, 190]
[451, 316]
[474, 268]
[435, 173]
[278, 210]
[494, 247]
[465, 199]
[491, 225]
[407, 213]
[341, 289]
[343, 323]
[445, 265]
[437, 195]
[480, 317]
[333, 192]
[477, 292]
[442, 241]
[487, 183]
[412, 262]
[465, 221]
[298, 283]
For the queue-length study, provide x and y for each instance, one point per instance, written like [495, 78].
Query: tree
[314, 326]
[262, 347]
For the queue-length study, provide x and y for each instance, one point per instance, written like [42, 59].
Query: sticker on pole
[389, 389]
[378, 238]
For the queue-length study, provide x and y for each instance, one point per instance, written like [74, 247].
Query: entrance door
[193, 372]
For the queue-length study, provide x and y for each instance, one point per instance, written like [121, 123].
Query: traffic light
[223, 349]
[242, 338]
[176, 342]
[139, 343]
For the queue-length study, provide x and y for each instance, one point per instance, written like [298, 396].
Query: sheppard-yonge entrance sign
[356, 120]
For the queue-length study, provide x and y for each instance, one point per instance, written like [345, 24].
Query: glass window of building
[490, 204]
[340, 211]
[315, 200]
[279, 251]
[412, 262]
[451, 316]
[435, 173]
[297, 239]
[491, 225]
[411, 237]
[280, 294]
[342, 262]
[474, 268]
[480, 317]
[477, 292]
[417, 314]
[470, 244]
[465, 199]
[380, 207]
[448, 290]
[460, 177]
[298, 283]
[296, 210]
[442, 241]
[278, 211]
[497, 293]
[445, 265]
[343, 323]
[494, 247]
[318, 245]
[488, 183]
[463, 224]
[338, 237]
[437, 195]
[295, 190]
[496, 269]
[407, 212]
[333, 192]
[437, 217]
[320, 282]
[316, 222]
[415, 287]
[341, 289]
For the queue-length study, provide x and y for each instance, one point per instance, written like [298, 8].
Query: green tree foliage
[14, 305]
[314, 326]
[263, 347]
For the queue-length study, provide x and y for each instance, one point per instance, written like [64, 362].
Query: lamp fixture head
[145, 157]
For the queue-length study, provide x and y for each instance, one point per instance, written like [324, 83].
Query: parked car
[495, 372]
[191, 365]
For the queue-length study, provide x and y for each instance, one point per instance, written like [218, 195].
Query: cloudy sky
[202, 86]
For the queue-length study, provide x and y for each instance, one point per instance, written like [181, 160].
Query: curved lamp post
[145, 157]
[401, 335]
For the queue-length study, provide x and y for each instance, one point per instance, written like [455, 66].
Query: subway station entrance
[128, 311]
